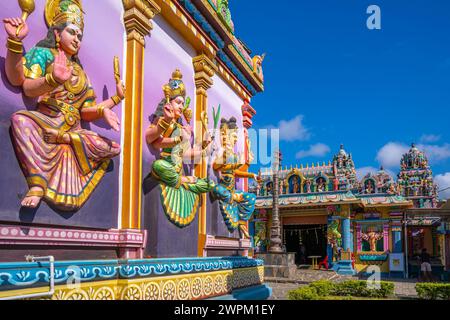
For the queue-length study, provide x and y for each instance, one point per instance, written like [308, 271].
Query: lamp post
[275, 230]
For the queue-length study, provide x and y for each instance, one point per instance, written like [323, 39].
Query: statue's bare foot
[33, 197]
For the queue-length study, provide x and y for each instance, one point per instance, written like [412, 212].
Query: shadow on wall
[29, 103]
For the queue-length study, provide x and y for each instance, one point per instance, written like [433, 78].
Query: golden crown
[58, 12]
[175, 87]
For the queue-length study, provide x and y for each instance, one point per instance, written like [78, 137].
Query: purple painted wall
[103, 39]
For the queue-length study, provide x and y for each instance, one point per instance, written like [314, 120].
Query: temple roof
[332, 198]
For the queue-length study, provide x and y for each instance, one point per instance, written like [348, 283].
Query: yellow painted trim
[77, 145]
[132, 143]
[207, 285]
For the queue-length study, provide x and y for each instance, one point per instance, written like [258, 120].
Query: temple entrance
[306, 241]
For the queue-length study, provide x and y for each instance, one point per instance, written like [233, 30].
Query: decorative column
[397, 246]
[275, 230]
[204, 71]
[385, 237]
[346, 236]
[137, 16]
[247, 112]
[358, 238]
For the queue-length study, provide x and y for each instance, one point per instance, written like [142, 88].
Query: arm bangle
[163, 124]
[100, 111]
[50, 80]
[116, 99]
[14, 46]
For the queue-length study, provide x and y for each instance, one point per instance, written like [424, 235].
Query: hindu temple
[111, 185]
[332, 219]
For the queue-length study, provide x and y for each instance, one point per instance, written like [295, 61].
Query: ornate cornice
[204, 69]
[137, 18]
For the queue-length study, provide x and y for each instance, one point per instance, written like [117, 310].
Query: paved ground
[280, 286]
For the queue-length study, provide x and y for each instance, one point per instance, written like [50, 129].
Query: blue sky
[330, 80]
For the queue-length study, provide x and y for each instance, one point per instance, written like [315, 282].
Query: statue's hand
[169, 115]
[112, 119]
[186, 133]
[11, 25]
[61, 72]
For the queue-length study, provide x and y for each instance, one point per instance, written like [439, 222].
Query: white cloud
[293, 130]
[435, 152]
[390, 154]
[427, 138]
[315, 150]
[443, 182]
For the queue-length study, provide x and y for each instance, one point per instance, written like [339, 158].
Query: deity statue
[320, 185]
[257, 66]
[281, 186]
[236, 206]
[308, 186]
[269, 188]
[62, 162]
[392, 189]
[295, 185]
[180, 193]
[334, 237]
[372, 237]
[335, 184]
[369, 187]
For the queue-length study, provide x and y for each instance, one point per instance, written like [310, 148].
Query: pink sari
[68, 173]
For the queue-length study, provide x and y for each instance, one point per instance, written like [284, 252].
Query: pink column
[386, 237]
[358, 238]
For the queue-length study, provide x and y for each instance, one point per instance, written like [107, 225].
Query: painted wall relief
[172, 136]
[236, 206]
[62, 162]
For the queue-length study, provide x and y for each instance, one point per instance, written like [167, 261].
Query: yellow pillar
[137, 16]
[204, 71]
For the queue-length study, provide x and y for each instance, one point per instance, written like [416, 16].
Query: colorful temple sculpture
[356, 225]
[109, 190]
[415, 179]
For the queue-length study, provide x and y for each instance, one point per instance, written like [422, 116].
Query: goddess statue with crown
[62, 162]
[180, 193]
[236, 206]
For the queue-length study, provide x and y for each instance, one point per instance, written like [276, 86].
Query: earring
[58, 39]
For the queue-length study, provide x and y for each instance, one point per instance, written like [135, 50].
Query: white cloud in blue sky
[443, 182]
[315, 150]
[428, 138]
[294, 129]
[391, 153]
